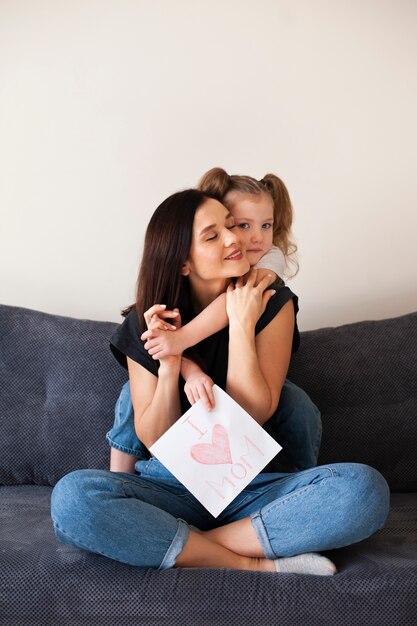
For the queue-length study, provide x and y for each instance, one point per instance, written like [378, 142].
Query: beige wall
[106, 107]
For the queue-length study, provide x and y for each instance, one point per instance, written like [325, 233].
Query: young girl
[262, 211]
[263, 214]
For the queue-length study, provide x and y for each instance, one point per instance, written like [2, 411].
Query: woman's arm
[156, 402]
[263, 272]
[198, 386]
[257, 365]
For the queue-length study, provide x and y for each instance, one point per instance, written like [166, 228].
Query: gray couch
[58, 386]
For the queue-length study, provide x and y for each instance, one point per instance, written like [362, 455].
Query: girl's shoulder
[274, 260]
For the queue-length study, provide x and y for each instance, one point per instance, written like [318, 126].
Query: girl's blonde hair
[218, 183]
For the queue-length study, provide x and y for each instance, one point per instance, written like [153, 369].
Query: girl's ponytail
[283, 216]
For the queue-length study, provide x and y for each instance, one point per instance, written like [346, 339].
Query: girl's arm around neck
[212, 319]
[156, 401]
[163, 343]
[209, 321]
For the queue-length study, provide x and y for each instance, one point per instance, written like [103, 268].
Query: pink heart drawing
[216, 452]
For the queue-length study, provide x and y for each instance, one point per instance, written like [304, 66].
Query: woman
[192, 251]
[263, 213]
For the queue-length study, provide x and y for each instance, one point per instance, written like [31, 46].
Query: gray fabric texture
[58, 386]
[363, 378]
[59, 383]
[43, 582]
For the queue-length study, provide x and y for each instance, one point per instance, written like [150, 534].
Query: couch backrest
[58, 386]
[59, 383]
[363, 377]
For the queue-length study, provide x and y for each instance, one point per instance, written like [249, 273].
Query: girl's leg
[296, 425]
[126, 448]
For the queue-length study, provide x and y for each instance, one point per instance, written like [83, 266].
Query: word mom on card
[215, 454]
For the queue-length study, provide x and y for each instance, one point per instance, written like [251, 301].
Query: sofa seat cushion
[45, 582]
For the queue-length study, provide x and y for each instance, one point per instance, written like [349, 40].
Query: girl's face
[254, 217]
[217, 251]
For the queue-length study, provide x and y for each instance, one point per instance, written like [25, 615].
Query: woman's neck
[204, 292]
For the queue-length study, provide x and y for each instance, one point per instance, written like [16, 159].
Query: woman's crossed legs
[151, 520]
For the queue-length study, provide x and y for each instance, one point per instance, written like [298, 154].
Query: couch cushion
[59, 383]
[363, 377]
[58, 386]
[45, 582]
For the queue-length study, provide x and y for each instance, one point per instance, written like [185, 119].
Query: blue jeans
[296, 425]
[144, 519]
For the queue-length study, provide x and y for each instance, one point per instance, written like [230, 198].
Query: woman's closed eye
[215, 235]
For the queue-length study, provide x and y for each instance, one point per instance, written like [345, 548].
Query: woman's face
[254, 217]
[217, 251]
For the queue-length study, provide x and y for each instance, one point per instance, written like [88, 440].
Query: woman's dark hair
[167, 246]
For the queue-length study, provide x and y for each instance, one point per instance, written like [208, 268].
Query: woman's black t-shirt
[212, 353]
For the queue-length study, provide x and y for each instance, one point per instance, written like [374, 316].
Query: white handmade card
[216, 453]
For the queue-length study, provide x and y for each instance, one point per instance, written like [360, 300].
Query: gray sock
[309, 563]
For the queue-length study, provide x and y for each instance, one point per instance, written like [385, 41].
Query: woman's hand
[246, 301]
[156, 315]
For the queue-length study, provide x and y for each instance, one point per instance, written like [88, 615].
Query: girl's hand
[155, 319]
[163, 343]
[199, 386]
[246, 301]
